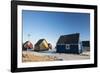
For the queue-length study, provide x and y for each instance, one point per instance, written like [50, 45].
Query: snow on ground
[63, 56]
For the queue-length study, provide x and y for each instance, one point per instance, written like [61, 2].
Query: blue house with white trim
[69, 44]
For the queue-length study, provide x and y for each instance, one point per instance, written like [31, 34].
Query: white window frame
[67, 46]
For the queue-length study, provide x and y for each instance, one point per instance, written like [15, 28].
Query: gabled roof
[27, 44]
[69, 39]
[40, 41]
[86, 43]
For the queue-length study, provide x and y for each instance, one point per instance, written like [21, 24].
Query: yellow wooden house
[41, 45]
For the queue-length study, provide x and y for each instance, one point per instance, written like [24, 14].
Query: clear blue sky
[51, 25]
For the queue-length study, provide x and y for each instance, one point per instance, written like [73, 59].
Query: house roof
[40, 41]
[86, 43]
[69, 39]
[26, 42]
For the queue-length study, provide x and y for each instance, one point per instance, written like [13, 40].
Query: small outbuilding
[69, 44]
[41, 45]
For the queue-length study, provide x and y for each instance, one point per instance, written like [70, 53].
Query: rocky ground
[35, 57]
[31, 56]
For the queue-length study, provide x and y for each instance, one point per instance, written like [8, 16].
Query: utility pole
[29, 35]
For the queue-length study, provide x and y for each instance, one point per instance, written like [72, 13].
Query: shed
[68, 44]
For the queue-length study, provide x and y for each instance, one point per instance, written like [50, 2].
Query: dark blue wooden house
[69, 44]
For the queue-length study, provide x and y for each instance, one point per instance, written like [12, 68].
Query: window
[67, 46]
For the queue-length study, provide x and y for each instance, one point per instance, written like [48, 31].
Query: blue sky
[51, 25]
